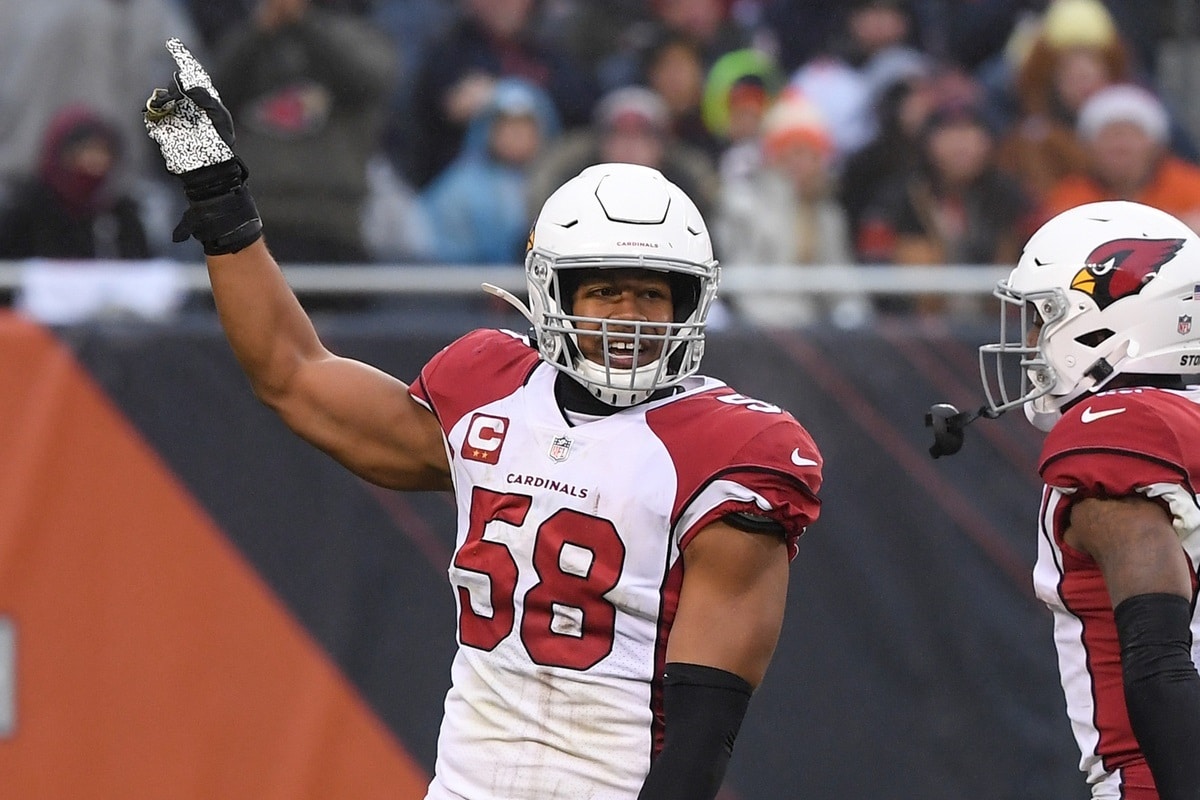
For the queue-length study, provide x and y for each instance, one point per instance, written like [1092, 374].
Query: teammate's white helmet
[621, 216]
[1116, 286]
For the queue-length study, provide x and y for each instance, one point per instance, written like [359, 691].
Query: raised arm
[361, 416]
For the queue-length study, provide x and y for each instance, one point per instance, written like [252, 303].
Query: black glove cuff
[224, 224]
[214, 180]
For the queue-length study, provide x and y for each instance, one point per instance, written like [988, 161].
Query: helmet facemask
[1016, 371]
[662, 353]
[619, 217]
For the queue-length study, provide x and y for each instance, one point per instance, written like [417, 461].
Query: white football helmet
[1115, 287]
[614, 216]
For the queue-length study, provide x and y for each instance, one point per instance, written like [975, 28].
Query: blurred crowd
[430, 131]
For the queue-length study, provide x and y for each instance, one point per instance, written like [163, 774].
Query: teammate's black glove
[194, 131]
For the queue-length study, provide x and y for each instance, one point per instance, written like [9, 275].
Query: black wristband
[223, 224]
[1162, 689]
[704, 708]
[205, 183]
[221, 213]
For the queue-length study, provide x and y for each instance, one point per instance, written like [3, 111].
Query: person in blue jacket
[478, 207]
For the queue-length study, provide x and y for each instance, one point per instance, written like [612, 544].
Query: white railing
[452, 279]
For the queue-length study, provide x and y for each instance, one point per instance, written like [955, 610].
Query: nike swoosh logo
[801, 461]
[1091, 416]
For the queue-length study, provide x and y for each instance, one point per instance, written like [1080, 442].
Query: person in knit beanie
[784, 215]
[1126, 132]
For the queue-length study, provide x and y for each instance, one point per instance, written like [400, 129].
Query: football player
[1108, 295]
[624, 524]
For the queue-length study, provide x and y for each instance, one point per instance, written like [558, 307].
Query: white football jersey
[567, 565]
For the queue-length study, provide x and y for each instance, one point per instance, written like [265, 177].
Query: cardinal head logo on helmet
[1121, 268]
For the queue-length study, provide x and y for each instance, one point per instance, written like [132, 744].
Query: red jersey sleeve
[1114, 444]
[482, 366]
[735, 455]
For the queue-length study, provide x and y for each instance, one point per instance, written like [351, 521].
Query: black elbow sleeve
[1162, 689]
[704, 708]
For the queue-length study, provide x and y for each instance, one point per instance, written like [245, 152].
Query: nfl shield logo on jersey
[1185, 324]
[560, 448]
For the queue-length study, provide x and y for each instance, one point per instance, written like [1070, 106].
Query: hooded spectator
[478, 207]
[738, 90]
[98, 53]
[70, 209]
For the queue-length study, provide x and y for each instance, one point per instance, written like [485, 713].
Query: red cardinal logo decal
[1121, 268]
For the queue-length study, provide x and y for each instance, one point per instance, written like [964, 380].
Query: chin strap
[509, 298]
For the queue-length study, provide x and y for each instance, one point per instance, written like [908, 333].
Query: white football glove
[194, 132]
[187, 121]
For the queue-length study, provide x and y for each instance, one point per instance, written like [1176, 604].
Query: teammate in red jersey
[1108, 296]
[624, 524]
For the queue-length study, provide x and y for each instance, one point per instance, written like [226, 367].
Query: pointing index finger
[190, 74]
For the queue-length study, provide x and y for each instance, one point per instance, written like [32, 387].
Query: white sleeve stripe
[1185, 515]
[713, 495]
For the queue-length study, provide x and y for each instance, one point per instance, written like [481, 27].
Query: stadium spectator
[70, 208]
[631, 126]
[492, 39]
[1125, 129]
[738, 90]
[1075, 52]
[674, 67]
[954, 207]
[308, 83]
[477, 207]
[901, 112]
[81, 51]
[786, 214]
[847, 79]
